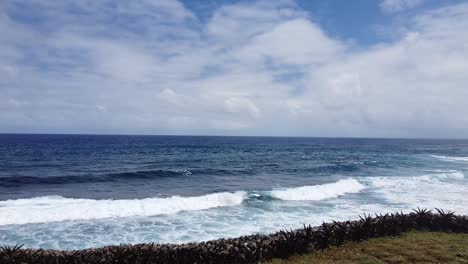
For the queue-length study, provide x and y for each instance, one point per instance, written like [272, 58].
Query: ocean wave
[450, 158]
[338, 167]
[20, 180]
[436, 190]
[433, 178]
[401, 189]
[327, 169]
[57, 208]
[319, 192]
[14, 181]
[451, 174]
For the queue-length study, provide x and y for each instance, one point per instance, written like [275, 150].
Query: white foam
[434, 178]
[56, 208]
[319, 192]
[437, 189]
[452, 174]
[445, 190]
[449, 158]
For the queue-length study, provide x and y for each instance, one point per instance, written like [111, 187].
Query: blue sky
[388, 68]
[356, 20]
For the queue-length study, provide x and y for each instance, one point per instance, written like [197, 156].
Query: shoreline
[251, 248]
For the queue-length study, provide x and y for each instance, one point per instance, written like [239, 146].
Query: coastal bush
[252, 248]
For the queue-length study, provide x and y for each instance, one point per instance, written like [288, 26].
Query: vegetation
[410, 247]
[254, 248]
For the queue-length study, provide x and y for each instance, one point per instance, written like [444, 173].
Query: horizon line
[246, 136]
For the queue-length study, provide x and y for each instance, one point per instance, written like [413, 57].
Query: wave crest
[20, 180]
[57, 208]
[319, 192]
[434, 178]
[450, 158]
[452, 174]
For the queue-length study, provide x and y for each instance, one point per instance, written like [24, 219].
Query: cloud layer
[257, 68]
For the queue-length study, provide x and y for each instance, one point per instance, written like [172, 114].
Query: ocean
[81, 191]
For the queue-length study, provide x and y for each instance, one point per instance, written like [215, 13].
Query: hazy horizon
[253, 136]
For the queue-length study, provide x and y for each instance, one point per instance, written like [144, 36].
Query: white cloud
[238, 22]
[393, 6]
[292, 42]
[262, 68]
[241, 105]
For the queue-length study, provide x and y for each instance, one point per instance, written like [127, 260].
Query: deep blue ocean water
[77, 191]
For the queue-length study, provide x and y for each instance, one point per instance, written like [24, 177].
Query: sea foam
[318, 192]
[450, 158]
[445, 190]
[451, 175]
[383, 194]
[56, 208]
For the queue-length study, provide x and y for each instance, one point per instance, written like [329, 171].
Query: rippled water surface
[76, 191]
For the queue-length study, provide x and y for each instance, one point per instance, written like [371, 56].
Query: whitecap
[450, 158]
[445, 190]
[57, 208]
[319, 192]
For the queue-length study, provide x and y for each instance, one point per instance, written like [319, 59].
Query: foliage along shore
[252, 248]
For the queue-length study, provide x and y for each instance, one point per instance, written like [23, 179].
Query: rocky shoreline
[252, 248]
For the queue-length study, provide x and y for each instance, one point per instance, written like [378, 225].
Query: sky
[325, 68]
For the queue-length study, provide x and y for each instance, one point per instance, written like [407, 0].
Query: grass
[410, 247]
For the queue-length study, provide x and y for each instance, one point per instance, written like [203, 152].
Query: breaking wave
[413, 181]
[450, 175]
[450, 158]
[438, 190]
[57, 208]
[318, 192]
